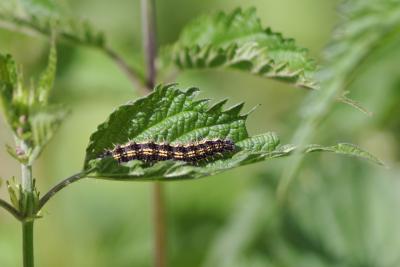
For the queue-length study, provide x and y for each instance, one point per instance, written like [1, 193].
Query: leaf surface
[237, 40]
[171, 115]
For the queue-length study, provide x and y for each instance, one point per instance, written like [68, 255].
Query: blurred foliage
[335, 221]
[46, 17]
[366, 28]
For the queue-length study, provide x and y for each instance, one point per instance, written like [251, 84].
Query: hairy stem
[150, 49]
[64, 183]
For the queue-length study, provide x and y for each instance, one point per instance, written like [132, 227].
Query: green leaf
[15, 192]
[345, 149]
[46, 16]
[26, 108]
[46, 80]
[237, 40]
[15, 98]
[50, 18]
[171, 115]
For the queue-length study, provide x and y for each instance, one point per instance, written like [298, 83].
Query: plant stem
[61, 185]
[26, 176]
[10, 209]
[149, 39]
[131, 74]
[159, 225]
[27, 225]
[150, 49]
[27, 243]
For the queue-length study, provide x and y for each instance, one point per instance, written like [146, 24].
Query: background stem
[150, 50]
[159, 225]
[149, 40]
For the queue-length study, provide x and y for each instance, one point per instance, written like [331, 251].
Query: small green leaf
[46, 80]
[16, 154]
[237, 40]
[171, 115]
[14, 191]
[345, 149]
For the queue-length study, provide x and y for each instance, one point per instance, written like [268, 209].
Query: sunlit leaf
[237, 40]
[171, 115]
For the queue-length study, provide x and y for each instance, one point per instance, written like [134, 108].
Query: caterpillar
[151, 151]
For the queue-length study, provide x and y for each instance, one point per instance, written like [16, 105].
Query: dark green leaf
[171, 115]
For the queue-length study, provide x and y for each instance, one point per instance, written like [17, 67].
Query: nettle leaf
[46, 17]
[345, 149]
[171, 115]
[237, 40]
[26, 108]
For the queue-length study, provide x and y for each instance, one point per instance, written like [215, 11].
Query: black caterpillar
[151, 151]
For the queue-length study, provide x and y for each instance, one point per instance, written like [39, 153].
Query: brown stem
[149, 39]
[159, 225]
[132, 75]
[150, 50]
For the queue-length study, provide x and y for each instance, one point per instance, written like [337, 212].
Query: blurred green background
[341, 211]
